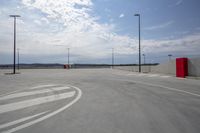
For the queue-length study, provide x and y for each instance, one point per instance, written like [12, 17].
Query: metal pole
[68, 56]
[112, 57]
[14, 44]
[139, 42]
[18, 57]
[139, 48]
[14, 62]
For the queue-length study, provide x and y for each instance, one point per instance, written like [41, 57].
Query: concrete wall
[194, 67]
[167, 68]
[145, 69]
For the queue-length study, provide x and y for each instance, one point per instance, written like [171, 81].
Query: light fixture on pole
[170, 56]
[14, 16]
[138, 15]
[144, 58]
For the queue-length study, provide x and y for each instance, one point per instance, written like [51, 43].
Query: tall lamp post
[138, 15]
[144, 58]
[170, 56]
[112, 58]
[18, 58]
[14, 16]
[68, 55]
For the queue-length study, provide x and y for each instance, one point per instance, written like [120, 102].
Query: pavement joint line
[48, 115]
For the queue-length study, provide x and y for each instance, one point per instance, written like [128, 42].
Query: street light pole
[14, 16]
[18, 58]
[169, 55]
[139, 42]
[144, 58]
[112, 58]
[68, 55]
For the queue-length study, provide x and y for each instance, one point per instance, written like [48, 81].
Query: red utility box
[181, 67]
[66, 66]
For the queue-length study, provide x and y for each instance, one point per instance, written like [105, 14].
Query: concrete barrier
[167, 68]
[144, 68]
[194, 67]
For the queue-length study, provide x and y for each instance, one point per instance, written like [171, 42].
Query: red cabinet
[181, 67]
[66, 66]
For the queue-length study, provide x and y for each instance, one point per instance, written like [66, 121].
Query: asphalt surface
[97, 101]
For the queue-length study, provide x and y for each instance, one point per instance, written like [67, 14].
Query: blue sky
[91, 28]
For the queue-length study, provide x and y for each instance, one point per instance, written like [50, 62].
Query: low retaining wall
[167, 68]
[194, 67]
[144, 69]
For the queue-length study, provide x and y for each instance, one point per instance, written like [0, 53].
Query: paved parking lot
[97, 101]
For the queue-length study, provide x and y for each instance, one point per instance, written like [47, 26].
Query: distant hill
[61, 66]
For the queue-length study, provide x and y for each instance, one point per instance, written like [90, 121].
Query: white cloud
[186, 45]
[81, 31]
[164, 25]
[121, 15]
[179, 2]
[37, 22]
[76, 28]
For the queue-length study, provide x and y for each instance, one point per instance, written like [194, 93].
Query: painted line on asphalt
[161, 86]
[37, 87]
[22, 94]
[33, 102]
[169, 88]
[42, 86]
[165, 76]
[48, 115]
[153, 75]
[147, 75]
[20, 120]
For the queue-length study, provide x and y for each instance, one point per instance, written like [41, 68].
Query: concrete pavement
[98, 101]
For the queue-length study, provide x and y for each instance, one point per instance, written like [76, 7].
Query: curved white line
[48, 115]
[20, 120]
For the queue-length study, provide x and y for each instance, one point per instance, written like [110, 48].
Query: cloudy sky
[91, 28]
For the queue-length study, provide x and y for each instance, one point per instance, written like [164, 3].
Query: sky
[91, 28]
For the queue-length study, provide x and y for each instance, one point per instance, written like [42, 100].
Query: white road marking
[165, 76]
[21, 120]
[42, 86]
[132, 74]
[169, 88]
[36, 87]
[48, 115]
[8, 93]
[149, 75]
[21, 94]
[32, 102]
[140, 75]
[153, 75]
